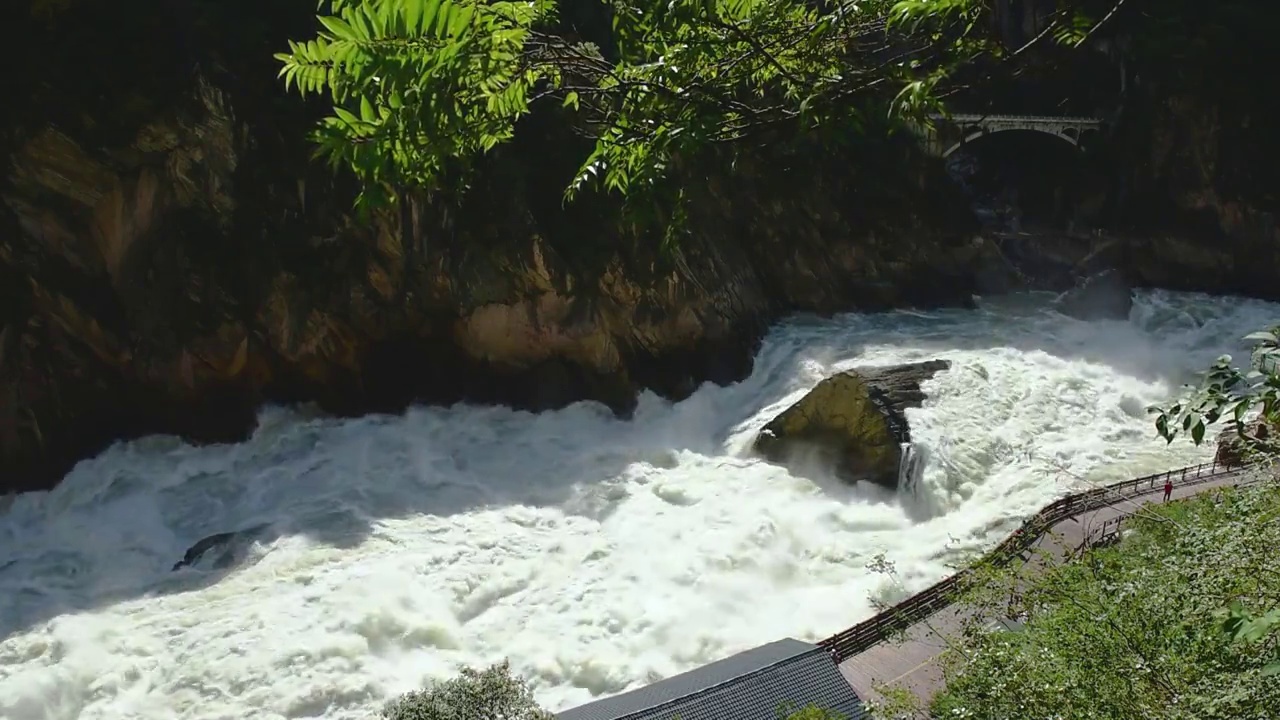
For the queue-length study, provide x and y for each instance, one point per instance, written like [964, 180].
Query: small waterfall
[910, 469]
[914, 494]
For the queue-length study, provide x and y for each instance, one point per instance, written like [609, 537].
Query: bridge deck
[1021, 119]
[911, 662]
[947, 134]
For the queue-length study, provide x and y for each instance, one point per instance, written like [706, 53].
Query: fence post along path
[874, 630]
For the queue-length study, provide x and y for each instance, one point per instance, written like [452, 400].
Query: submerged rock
[228, 546]
[1103, 296]
[853, 421]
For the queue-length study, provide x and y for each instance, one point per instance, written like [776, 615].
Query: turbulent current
[597, 554]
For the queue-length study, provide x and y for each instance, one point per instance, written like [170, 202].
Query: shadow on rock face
[1103, 296]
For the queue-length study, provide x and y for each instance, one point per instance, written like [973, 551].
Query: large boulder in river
[1103, 296]
[853, 421]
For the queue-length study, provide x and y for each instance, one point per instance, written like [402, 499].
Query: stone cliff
[1202, 204]
[1195, 152]
[1182, 191]
[170, 265]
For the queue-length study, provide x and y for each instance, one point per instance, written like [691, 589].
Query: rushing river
[596, 554]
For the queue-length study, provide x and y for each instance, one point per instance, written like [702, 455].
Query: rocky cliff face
[1206, 195]
[1183, 193]
[1197, 150]
[1182, 190]
[169, 269]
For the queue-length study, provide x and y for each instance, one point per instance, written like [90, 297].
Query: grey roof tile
[758, 684]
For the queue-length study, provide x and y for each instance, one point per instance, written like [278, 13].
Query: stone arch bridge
[949, 134]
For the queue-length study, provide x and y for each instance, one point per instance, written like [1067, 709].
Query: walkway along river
[921, 626]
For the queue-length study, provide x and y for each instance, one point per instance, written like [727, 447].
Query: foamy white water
[597, 554]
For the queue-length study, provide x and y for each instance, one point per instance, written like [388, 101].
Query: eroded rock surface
[852, 421]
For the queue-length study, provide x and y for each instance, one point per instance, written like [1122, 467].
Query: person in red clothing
[1168, 488]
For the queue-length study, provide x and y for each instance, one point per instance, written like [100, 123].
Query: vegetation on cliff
[1247, 399]
[171, 258]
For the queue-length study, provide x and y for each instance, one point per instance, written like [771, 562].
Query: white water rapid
[597, 554]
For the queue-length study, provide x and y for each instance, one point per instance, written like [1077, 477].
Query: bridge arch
[941, 135]
[1070, 135]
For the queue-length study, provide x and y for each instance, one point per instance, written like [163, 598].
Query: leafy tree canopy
[494, 693]
[419, 88]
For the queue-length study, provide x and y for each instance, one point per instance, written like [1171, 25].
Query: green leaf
[413, 17]
[347, 118]
[337, 26]
[1148, 604]
[366, 110]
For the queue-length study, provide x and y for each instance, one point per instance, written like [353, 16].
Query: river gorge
[492, 423]
[596, 553]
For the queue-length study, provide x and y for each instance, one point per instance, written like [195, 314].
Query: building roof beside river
[764, 683]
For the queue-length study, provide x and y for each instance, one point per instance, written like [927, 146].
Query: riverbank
[916, 660]
[1182, 607]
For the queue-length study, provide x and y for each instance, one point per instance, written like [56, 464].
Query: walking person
[1168, 488]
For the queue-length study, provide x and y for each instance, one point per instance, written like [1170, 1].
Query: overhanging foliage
[1247, 399]
[422, 87]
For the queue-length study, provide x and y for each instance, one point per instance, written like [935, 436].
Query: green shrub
[490, 694]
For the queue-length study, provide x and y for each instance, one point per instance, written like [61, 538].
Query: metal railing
[1110, 529]
[874, 630]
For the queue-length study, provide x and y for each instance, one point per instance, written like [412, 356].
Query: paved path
[911, 661]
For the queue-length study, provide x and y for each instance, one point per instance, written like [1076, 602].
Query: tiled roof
[763, 683]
